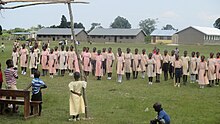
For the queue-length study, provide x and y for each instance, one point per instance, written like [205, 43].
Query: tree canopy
[168, 27]
[95, 25]
[120, 22]
[148, 25]
[217, 23]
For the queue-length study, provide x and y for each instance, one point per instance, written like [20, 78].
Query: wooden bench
[22, 98]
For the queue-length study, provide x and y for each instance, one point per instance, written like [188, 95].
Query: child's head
[119, 53]
[197, 54]
[177, 57]
[172, 52]
[150, 55]
[165, 52]
[37, 74]
[23, 45]
[158, 50]
[217, 55]
[109, 49]
[87, 49]
[44, 48]
[67, 48]
[76, 76]
[211, 55]
[84, 49]
[9, 63]
[2, 43]
[157, 107]
[51, 51]
[14, 49]
[202, 58]
[71, 48]
[193, 54]
[99, 52]
[144, 51]
[32, 49]
[128, 50]
[136, 51]
[185, 53]
[62, 48]
[36, 45]
[94, 49]
[119, 49]
[55, 48]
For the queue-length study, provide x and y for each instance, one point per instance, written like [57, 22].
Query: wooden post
[78, 56]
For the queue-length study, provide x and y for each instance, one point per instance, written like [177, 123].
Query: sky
[179, 13]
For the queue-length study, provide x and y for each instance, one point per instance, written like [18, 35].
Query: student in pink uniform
[15, 57]
[211, 69]
[99, 60]
[104, 54]
[93, 56]
[150, 64]
[24, 59]
[56, 53]
[86, 62]
[171, 67]
[62, 60]
[33, 62]
[136, 64]
[198, 59]
[71, 60]
[193, 67]
[158, 58]
[166, 60]
[110, 58]
[52, 62]
[67, 51]
[37, 52]
[120, 66]
[144, 58]
[44, 60]
[128, 63]
[217, 69]
[203, 72]
[186, 65]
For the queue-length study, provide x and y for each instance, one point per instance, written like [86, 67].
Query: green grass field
[113, 103]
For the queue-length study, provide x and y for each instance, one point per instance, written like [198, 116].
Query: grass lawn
[113, 103]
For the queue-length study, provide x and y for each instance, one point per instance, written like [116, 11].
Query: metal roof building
[117, 35]
[162, 36]
[197, 35]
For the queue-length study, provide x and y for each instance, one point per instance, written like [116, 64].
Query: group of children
[101, 63]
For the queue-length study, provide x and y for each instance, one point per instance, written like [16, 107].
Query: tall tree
[0, 30]
[168, 27]
[217, 23]
[120, 22]
[95, 25]
[63, 23]
[148, 25]
[79, 25]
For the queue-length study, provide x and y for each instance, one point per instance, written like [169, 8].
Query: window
[127, 37]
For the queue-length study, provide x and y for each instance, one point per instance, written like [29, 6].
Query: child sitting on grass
[162, 117]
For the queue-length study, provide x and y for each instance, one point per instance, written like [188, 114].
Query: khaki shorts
[11, 87]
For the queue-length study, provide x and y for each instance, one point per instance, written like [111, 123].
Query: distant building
[57, 34]
[24, 35]
[162, 36]
[103, 35]
[197, 35]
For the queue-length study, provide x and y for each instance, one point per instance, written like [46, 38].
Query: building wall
[189, 36]
[140, 38]
[164, 39]
[82, 37]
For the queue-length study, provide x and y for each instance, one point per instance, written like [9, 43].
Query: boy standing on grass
[162, 117]
[37, 84]
[76, 101]
[10, 78]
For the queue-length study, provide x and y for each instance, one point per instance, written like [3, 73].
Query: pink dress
[218, 68]
[136, 58]
[144, 58]
[44, 55]
[71, 58]
[211, 69]
[158, 58]
[202, 68]
[110, 58]
[56, 59]
[99, 71]
[128, 57]
[52, 58]
[193, 65]
[62, 58]
[86, 59]
[15, 56]
[120, 61]
[23, 57]
[198, 60]
[76, 68]
[185, 61]
[33, 61]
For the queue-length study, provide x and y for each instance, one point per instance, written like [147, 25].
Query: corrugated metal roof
[207, 30]
[115, 32]
[163, 32]
[58, 31]
[21, 33]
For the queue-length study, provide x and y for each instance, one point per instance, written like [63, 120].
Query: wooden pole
[78, 57]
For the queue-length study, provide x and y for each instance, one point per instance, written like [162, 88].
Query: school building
[197, 35]
[112, 35]
[58, 34]
[162, 36]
